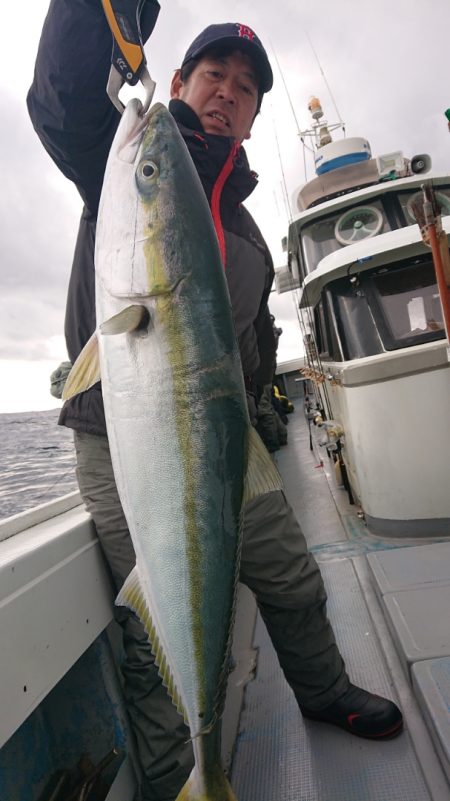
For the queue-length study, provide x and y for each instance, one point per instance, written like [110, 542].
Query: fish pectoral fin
[86, 370]
[126, 321]
[133, 597]
[262, 474]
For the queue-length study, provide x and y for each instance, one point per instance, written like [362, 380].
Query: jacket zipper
[216, 196]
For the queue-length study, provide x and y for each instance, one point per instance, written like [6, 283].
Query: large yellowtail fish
[185, 456]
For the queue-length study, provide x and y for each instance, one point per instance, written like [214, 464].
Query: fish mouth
[135, 127]
[133, 135]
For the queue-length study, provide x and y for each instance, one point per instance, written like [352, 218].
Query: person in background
[215, 96]
[269, 425]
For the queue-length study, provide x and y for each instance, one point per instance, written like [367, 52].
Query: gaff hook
[128, 62]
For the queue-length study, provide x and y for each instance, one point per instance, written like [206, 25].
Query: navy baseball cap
[242, 38]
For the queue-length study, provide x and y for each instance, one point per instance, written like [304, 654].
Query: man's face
[223, 92]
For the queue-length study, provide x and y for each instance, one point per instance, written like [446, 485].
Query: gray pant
[291, 598]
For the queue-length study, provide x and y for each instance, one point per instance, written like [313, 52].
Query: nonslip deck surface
[414, 591]
[280, 757]
[431, 680]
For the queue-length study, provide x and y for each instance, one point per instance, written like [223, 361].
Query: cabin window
[294, 268]
[358, 333]
[345, 227]
[322, 337]
[379, 310]
[326, 335]
[406, 303]
[319, 241]
[407, 200]
[375, 215]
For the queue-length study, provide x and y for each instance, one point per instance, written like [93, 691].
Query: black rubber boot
[362, 713]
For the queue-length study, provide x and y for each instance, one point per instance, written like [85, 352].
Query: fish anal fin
[262, 474]
[129, 319]
[133, 597]
[86, 370]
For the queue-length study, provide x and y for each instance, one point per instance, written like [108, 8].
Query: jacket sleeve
[67, 101]
[267, 345]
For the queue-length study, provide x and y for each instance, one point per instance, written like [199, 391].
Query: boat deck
[388, 602]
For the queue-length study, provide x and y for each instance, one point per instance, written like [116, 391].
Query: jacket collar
[210, 152]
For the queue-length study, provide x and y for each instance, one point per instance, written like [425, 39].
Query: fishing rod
[296, 301]
[293, 289]
[428, 216]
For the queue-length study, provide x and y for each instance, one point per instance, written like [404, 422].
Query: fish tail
[218, 789]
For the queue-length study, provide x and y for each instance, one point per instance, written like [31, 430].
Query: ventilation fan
[357, 224]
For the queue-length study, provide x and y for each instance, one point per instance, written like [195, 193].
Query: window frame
[389, 341]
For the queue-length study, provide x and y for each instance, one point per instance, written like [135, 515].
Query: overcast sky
[387, 64]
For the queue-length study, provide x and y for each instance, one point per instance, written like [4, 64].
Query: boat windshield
[408, 305]
[335, 231]
[387, 309]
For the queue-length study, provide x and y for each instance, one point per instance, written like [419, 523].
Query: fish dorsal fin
[262, 474]
[86, 370]
[126, 321]
[132, 596]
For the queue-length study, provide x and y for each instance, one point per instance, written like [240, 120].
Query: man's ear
[177, 83]
[249, 133]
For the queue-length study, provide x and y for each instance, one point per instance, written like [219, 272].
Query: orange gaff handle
[442, 279]
[128, 52]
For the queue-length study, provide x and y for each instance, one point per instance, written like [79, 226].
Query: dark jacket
[76, 123]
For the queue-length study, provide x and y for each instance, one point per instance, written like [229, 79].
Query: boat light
[315, 108]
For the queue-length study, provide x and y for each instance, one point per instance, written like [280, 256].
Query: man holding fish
[153, 320]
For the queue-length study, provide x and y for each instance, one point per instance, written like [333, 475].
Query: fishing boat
[365, 471]
[374, 329]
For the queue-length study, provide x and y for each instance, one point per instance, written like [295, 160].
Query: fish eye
[148, 170]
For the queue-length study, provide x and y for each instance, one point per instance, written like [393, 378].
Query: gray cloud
[388, 73]
[39, 224]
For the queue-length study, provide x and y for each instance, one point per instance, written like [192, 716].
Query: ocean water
[37, 461]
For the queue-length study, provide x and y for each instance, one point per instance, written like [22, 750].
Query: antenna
[293, 112]
[320, 132]
[287, 90]
[342, 124]
[283, 183]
